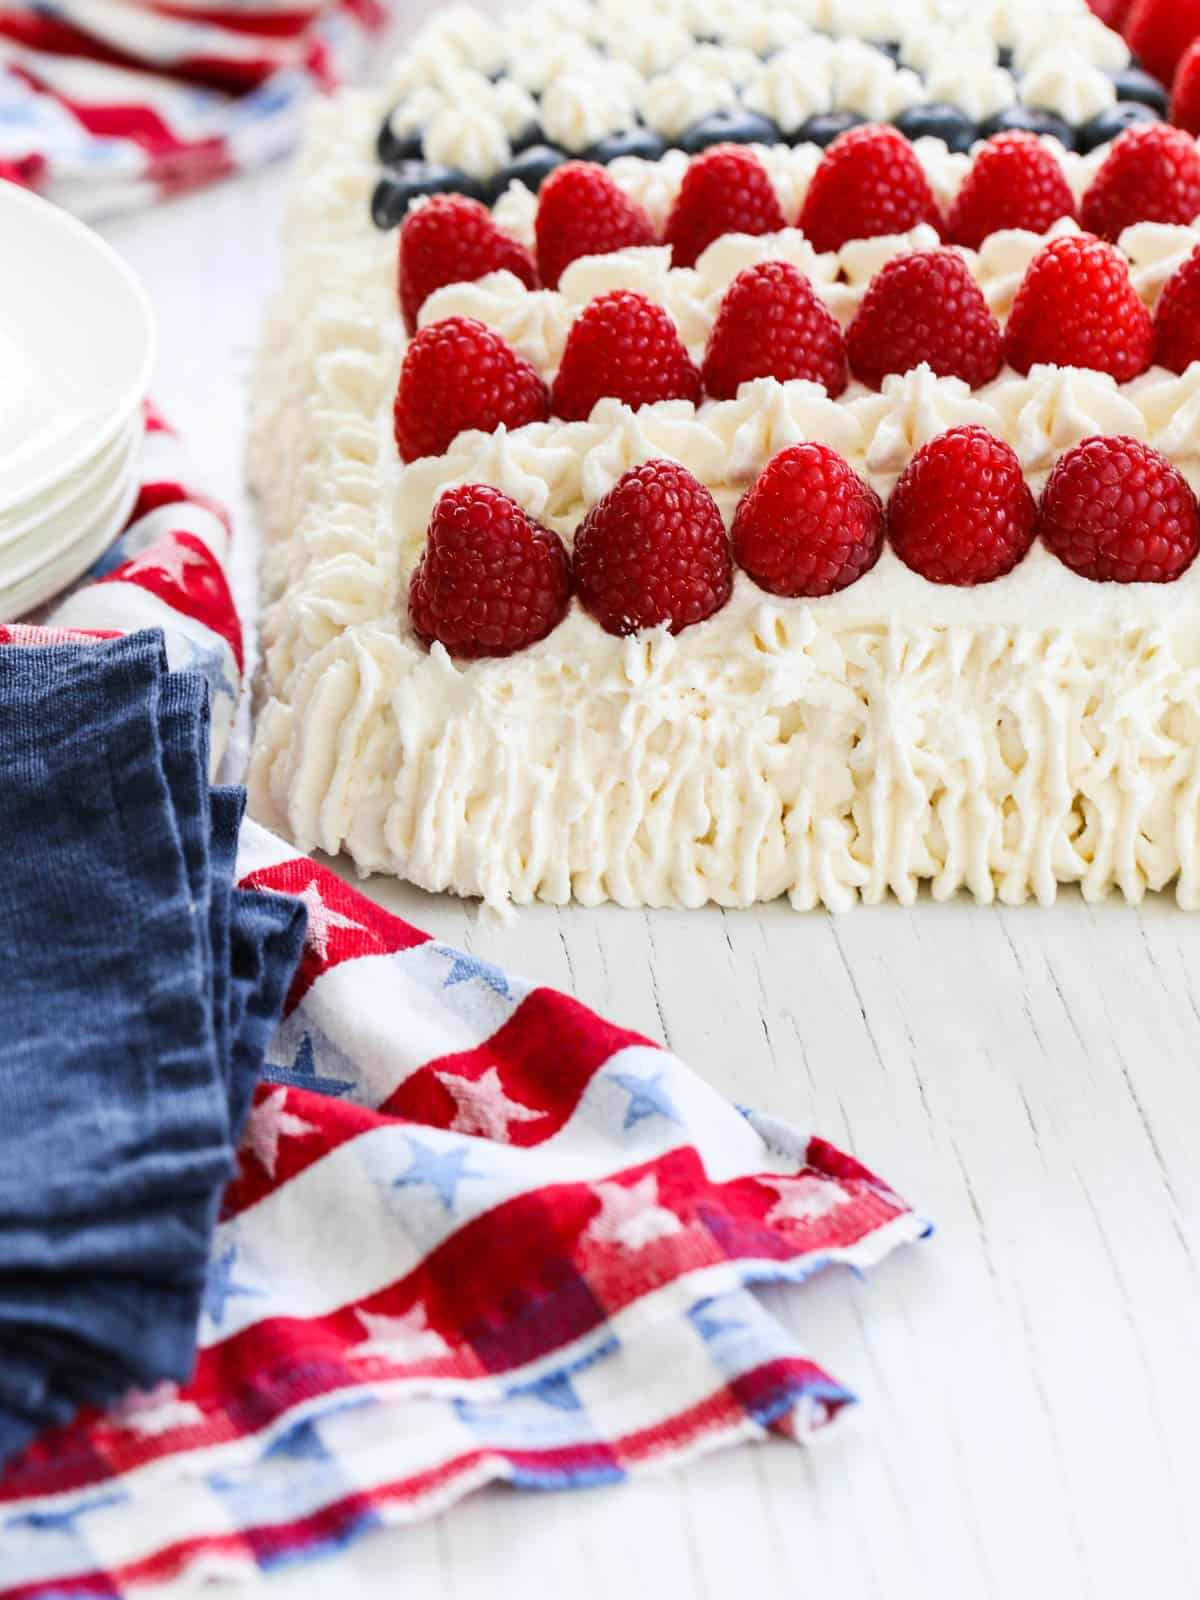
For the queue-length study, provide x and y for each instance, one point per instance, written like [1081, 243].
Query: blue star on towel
[441, 1173]
[467, 967]
[647, 1098]
[553, 1390]
[303, 1074]
[708, 1325]
[221, 1286]
[59, 1521]
[209, 662]
[301, 1442]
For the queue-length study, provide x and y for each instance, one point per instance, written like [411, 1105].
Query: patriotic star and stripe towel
[475, 1232]
[106, 105]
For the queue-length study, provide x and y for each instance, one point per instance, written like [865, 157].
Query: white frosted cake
[1011, 710]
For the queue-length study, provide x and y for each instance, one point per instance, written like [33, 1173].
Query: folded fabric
[106, 105]
[125, 1067]
[476, 1232]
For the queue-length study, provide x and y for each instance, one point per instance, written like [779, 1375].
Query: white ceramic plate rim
[46, 584]
[49, 546]
[63, 500]
[44, 544]
[82, 452]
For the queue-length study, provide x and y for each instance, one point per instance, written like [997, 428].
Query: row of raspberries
[1076, 307]
[654, 550]
[869, 183]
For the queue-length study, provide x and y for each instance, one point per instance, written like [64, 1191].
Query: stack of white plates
[76, 348]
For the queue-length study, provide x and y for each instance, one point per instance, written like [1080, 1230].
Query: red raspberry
[624, 346]
[490, 580]
[653, 550]
[1015, 181]
[1077, 308]
[869, 183]
[924, 307]
[582, 212]
[458, 374]
[1159, 31]
[962, 512]
[1177, 320]
[1112, 12]
[773, 325]
[1118, 512]
[810, 526]
[451, 239]
[1151, 174]
[1185, 91]
[725, 190]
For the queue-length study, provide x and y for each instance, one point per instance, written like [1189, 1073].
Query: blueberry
[1004, 56]
[1110, 123]
[395, 147]
[939, 121]
[527, 138]
[636, 141]
[824, 128]
[734, 125]
[889, 47]
[1132, 84]
[1028, 119]
[407, 180]
[532, 167]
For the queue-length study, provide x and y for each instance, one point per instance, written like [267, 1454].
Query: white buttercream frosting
[946, 170]
[514, 106]
[653, 184]
[1156, 251]
[1068, 83]
[516, 213]
[767, 27]
[926, 46]
[911, 409]
[869, 82]
[582, 106]
[651, 44]
[472, 35]
[1054, 408]
[796, 84]
[535, 323]
[979, 89]
[540, 58]
[1171, 407]
[417, 110]
[672, 100]
[469, 137]
[1047, 29]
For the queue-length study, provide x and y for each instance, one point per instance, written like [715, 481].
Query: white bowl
[67, 496]
[71, 556]
[47, 540]
[76, 346]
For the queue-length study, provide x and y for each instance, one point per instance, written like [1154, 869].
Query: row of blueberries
[407, 175]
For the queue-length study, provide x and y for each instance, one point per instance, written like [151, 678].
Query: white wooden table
[1030, 1377]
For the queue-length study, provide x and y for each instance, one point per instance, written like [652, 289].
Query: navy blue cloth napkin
[138, 990]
